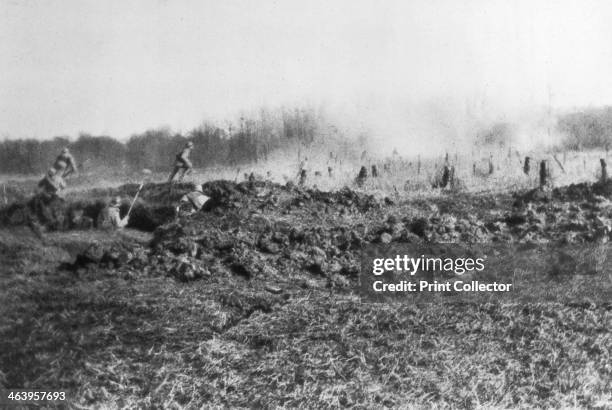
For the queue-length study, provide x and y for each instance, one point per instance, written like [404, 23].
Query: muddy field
[252, 302]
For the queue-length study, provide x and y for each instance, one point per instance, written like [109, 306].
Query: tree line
[248, 141]
[588, 129]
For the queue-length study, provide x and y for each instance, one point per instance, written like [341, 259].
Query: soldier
[191, 202]
[65, 162]
[110, 216]
[182, 164]
[53, 183]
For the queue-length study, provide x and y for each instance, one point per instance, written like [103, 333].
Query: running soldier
[182, 165]
[65, 162]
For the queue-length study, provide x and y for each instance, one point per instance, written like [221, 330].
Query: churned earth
[253, 303]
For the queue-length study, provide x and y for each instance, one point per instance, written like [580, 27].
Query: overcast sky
[119, 67]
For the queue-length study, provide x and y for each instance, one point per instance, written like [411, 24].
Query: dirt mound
[345, 197]
[257, 228]
[573, 192]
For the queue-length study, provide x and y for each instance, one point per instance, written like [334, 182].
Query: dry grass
[123, 339]
[155, 343]
[403, 180]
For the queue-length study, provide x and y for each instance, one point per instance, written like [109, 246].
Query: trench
[61, 215]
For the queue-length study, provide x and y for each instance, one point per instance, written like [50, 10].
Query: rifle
[134, 200]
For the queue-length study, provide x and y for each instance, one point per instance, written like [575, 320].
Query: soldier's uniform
[191, 202]
[52, 184]
[182, 164]
[110, 217]
[65, 162]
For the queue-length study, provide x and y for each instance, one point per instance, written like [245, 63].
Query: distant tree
[587, 129]
[98, 151]
[210, 145]
[498, 135]
[154, 149]
[252, 140]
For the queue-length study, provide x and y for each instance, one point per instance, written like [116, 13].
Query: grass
[157, 343]
[402, 180]
[125, 339]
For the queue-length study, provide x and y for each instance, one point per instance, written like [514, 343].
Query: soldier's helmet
[51, 172]
[65, 150]
[189, 144]
[116, 201]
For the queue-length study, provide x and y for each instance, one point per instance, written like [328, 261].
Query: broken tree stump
[604, 170]
[374, 171]
[527, 165]
[452, 176]
[303, 177]
[443, 180]
[544, 174]
[491, 165]
[362, 176]
[445, 177]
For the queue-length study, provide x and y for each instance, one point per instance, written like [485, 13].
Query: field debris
[260, 285]
[251, 230]
[245, 228]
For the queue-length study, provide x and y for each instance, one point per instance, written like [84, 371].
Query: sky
[403, 68]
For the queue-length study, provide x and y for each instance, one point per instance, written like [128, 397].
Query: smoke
[438, 125]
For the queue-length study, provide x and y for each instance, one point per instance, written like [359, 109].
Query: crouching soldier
[110, 216]
[52, 184]
[191, 202]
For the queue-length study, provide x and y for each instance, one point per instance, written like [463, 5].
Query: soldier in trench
[191, 202]
[110, 216]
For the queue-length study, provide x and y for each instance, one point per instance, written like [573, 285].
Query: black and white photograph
[291, 204]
